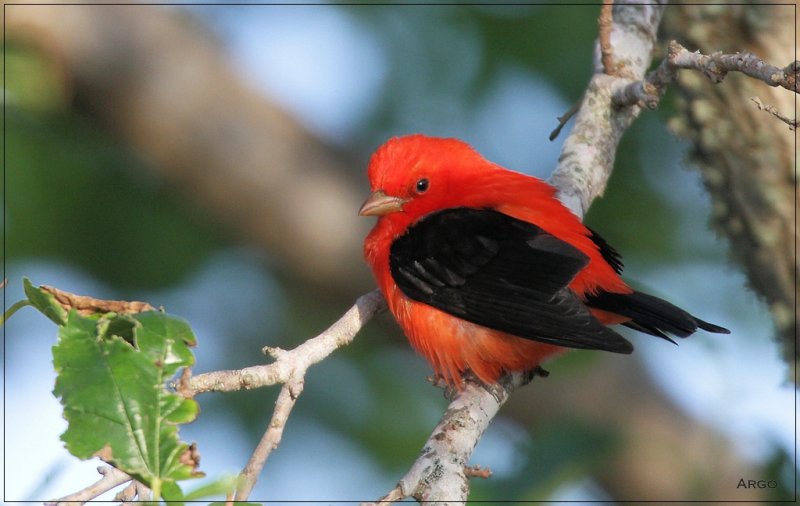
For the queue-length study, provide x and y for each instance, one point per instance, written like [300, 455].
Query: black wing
[500, 272]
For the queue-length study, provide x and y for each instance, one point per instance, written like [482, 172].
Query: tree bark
[747, 157]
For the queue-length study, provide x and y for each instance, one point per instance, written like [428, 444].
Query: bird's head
[414, 175]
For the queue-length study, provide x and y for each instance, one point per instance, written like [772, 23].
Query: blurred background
[211, 160]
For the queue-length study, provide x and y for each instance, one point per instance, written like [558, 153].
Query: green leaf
[45, 302]
[222, 486]
[172, 494]
[112, 373]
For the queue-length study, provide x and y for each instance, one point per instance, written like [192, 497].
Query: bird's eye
[422, 185]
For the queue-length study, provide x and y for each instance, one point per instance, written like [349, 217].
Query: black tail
[652, 315]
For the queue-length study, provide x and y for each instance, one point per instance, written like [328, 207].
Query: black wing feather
[609, 254]
[500, 272]
[652, 315]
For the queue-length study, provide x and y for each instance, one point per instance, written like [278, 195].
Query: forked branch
[716, 66]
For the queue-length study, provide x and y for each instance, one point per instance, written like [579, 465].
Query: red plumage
[443, 288]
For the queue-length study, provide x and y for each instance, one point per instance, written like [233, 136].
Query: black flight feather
[652, 315]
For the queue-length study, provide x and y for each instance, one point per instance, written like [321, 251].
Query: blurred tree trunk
[162, 83]
[747, 157]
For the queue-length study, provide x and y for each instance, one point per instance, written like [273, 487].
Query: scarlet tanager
[485, 270]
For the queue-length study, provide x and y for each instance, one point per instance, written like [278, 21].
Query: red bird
[485, 270]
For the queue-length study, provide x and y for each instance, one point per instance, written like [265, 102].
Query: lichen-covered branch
[717, 65]
[648, 91]
[588, 154]
[441, 473]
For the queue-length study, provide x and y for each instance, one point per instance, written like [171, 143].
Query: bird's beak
[379, 204]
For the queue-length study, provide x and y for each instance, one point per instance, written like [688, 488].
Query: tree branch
[271, 439]
[112, 477]
[717, 65]
[441, 472]
[293, 363]
[772, 110]
[648, 91]
[289, 368]
[587, 156]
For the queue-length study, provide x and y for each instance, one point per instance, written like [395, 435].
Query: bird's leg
[538, 371]
[497, 390]
[512, 381]
[448, 390]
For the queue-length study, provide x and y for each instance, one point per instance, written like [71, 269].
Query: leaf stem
[155, 487]
[13, 309]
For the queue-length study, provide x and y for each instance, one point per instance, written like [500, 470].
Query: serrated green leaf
[112, 373]
[174, 352]
[45, 302]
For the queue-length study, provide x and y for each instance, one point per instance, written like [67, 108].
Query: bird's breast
[452, 345]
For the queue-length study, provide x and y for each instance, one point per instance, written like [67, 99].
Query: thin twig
[604, 37]
[295, 361]
[271, 439]
[477, 471]
[143, 492]
[771, 109]
[648, 91]
[717, 65]
[394, 495]
[112, 477]
[289, 368]
[127, 494]
[564, 118]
